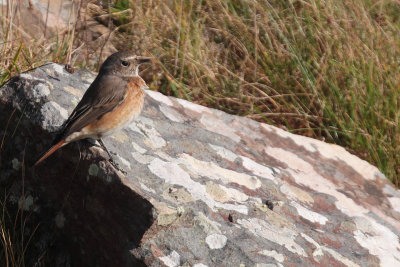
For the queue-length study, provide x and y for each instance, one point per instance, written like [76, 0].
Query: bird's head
[124, 64]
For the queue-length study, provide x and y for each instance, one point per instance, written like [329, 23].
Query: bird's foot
[116, 166]
[111, 159]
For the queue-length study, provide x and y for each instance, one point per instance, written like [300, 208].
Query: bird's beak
[143, 59]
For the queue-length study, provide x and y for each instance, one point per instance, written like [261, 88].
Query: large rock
[197, 187]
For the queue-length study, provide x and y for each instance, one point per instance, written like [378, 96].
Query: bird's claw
[116, 166]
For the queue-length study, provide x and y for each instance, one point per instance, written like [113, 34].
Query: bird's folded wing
[101, 97]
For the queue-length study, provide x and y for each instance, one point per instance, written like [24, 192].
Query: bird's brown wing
[103, 95]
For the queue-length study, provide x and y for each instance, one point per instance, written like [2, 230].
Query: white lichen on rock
[172, 260]
[172, 173]
[216, 241]
[224, 153]
[309, 215]
[215, 172]
[50, 111]
[41, 90]
[282, 236]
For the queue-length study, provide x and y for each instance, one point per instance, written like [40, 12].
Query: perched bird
[111, 102]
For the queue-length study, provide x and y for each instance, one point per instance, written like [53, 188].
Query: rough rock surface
[198, 187]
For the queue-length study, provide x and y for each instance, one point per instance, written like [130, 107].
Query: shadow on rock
[85, 215]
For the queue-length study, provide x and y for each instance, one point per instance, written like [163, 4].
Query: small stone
[69, 68]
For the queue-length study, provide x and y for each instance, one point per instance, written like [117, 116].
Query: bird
[113, 100]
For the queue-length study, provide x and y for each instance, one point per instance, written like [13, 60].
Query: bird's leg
[105, 148]
[112, 161]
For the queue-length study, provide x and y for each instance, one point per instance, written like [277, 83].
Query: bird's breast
[123, 114]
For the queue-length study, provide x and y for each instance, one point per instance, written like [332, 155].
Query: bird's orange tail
[50, 151]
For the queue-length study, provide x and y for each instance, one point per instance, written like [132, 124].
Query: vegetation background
[326, 69]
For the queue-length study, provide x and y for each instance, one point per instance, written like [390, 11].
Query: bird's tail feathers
[52, 149]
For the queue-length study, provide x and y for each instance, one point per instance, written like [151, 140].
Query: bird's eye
[124, 63]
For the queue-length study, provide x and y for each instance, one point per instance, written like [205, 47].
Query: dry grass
[324, 69]
[22, 49]
[16, 237]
